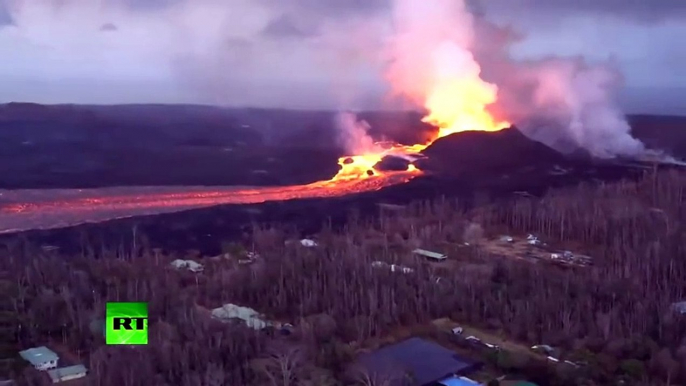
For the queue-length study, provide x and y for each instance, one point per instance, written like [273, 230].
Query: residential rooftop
[187, 264]
[252, 318]
[679, 307]
[430, 254]
[458, 381]
[63, 372]
[39, 355]
[425, 361]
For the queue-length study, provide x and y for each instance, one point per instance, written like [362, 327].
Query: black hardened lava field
[342, 193]
[568, 254]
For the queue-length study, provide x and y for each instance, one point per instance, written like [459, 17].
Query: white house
[392, 267]
[251, 317]
[42, 358]
[400, 268]
[187, 264]
[679, 307]
[308, 243]
[430, 255]
[506, 239]
[532, 240]
[67, 373]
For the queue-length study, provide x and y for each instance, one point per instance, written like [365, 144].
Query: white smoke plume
[563, 102]
[569, 104]
[425, 34]
[218, 50]
[353, 134]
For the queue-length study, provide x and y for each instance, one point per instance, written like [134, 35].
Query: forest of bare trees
[615, 316]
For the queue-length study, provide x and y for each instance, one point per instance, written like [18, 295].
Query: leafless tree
[473, 233]
[282, 364]
[364, 376]
[338, 300]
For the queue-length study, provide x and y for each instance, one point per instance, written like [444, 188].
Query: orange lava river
[56, 208]
[449, 87]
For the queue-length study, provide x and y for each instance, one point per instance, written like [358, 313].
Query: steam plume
[425, 35]
[353, 134]
[563, 102]
[569, 104]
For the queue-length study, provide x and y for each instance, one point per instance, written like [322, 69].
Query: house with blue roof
[457, 381]
[416, 362]
[42, 358]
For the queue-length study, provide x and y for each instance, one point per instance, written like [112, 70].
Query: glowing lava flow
[454, 105]
[449, 87]
[457, 100]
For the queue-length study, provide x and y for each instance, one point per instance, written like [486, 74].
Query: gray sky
[302, 53]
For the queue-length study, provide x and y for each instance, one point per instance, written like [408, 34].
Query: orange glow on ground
[456, 99]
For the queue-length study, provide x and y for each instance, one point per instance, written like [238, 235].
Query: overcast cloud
[302, 53]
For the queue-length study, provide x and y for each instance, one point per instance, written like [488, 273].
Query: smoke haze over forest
[256, 53]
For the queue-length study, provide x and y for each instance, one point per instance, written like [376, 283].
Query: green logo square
[126, 323]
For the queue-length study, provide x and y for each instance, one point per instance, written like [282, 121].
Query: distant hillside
[484, 153]
[661, 132]
[85, 146]
[126, 125]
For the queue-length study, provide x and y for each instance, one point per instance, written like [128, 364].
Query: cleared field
[520, 249]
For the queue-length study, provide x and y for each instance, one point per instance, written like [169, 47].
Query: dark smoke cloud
[331, 8]
[5, 15]
[108, 27]
[641, 10]
[286, 26]
[295, 53]
[543, 11]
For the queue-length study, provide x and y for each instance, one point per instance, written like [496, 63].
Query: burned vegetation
[330, 300]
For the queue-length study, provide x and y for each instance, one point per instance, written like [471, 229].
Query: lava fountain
[448, 86]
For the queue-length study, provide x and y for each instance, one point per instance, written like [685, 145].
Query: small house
[679, 307]
[532, 240]
[67, 373]
[474, 340]
[457, 381]
[286, 329]
[400, 268]
[430, 255]
[426, 363]
[187, 264]
[41, 358]
[492, 346]
[392, 267]
[308, 243]
[229, 311]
